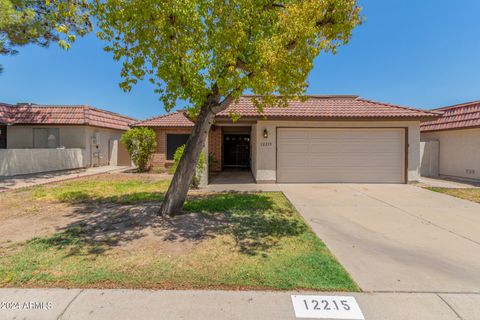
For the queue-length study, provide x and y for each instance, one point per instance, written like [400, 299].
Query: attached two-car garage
[356, 155]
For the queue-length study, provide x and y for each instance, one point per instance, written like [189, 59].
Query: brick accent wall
[215, 148]
[159, 158]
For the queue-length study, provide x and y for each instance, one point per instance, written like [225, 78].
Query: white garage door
[340, 155]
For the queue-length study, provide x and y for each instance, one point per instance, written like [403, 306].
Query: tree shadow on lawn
[255, 221]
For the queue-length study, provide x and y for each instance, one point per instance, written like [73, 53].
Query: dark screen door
[3, 137]
[236, 149]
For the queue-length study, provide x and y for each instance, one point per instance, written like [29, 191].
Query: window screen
[173, 142]
[3, 137]
[46, 138]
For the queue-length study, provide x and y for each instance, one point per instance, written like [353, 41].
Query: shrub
[141, 144]
[198, 170]
[211, 161]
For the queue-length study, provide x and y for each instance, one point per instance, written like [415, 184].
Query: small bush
[211, 161]
[198, 170]
[141, 144]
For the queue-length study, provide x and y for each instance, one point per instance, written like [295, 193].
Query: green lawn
[231, 241]
[124, 191]
[472, 194]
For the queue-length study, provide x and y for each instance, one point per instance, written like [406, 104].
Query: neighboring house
[323, 139]
[41, 138]
[456, 141]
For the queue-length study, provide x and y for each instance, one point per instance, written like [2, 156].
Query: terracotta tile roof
[460, 116]
[64, 115]
[106, 119]
[174, 119]
[328, 107]
[333, 107]
[4, 113]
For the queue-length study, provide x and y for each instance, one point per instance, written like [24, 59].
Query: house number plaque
[327, 307]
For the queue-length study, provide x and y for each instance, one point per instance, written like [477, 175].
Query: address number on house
[327, 307]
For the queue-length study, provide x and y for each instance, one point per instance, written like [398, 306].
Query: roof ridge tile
[459, 105]
[460, 116]
[398, 106]
[62, 114]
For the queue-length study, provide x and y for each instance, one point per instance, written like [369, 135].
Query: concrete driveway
[396, 237]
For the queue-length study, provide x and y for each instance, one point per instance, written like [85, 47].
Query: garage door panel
[350, 135]
[293, 135]
[334, 162]
[355, 177]
[340, 155]
[350, 170]
[352, 147]
[295, 147]
[288, 160]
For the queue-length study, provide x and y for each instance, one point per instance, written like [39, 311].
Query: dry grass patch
[113, 237]
[472, 194]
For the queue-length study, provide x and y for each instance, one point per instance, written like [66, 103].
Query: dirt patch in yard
[22, 218]
[138, 227]
[123, 227]
[43, 210]
[26, 226]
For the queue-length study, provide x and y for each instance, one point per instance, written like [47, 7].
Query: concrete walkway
[237, 181]
[79, 304]
[444, 182]
[396, 237]
[29, 180]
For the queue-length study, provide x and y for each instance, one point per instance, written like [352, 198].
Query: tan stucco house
[40, 138]
[456, 137]
[323, 139]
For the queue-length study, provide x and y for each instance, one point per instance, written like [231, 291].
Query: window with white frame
[46, 138]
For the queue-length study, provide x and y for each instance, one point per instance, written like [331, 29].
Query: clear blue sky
[420, 53]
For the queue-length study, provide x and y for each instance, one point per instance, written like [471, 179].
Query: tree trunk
[177, 192]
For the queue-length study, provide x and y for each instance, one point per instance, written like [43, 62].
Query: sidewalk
[444, 182]
[142, 304]
[29, 180]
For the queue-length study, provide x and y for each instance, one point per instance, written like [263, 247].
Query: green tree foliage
[208, 52]
[141, 143]
[41, 22]
[199, 169]
[191, 49]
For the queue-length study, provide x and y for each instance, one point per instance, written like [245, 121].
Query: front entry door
[236, 150]
[3, 137]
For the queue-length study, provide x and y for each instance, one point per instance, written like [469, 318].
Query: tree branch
[274, 5]
[222, 105]
[219, 106]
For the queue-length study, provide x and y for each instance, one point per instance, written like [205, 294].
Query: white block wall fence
[26, 161]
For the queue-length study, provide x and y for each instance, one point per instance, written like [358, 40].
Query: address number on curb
[327, 307]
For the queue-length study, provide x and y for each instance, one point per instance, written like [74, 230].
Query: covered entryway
[357, 155]
[3, 137]
[236, 151]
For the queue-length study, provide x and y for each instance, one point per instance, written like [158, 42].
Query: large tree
[208, 52]
[41, 22]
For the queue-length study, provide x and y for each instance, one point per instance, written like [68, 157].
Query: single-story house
[40, 138]
[456, 135]
[322, 139]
